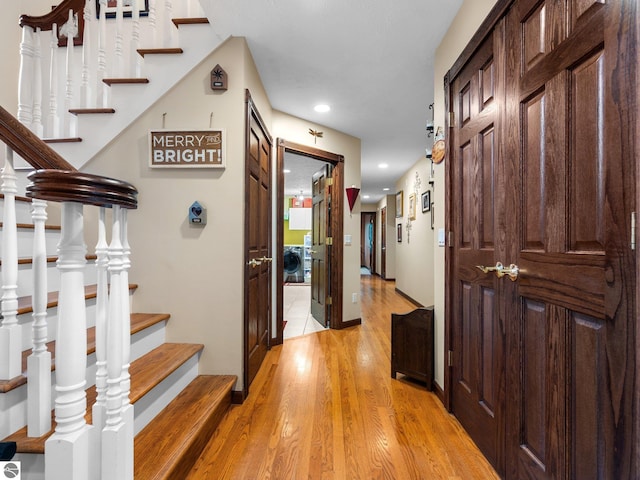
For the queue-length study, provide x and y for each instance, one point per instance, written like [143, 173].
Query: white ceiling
[370, 60]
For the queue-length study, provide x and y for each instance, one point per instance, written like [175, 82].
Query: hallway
[324, 406]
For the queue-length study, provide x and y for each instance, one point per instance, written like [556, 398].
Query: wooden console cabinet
[412, 345]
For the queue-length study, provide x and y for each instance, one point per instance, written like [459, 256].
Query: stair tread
[190, 21]
[51, 259]
[197, 411]
[125, 81]
[159, 51]
[79, 111]
[146, 372]
[62, 140]
[30, 226]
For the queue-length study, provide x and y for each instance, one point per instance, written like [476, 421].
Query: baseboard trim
[237, 397]
[349, 323]
[438, 392]
[415, 302]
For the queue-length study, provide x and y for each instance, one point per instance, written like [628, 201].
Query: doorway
[330, 286]
[368, 242]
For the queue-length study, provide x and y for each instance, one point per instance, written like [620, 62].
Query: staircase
[133, 387]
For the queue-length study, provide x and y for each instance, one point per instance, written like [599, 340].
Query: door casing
[336, 228]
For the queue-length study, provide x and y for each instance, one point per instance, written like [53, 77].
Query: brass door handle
[266, 259]
[254, 263]
[511, 271]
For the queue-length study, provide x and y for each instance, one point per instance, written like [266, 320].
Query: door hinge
[452, 118]
[329, 301]
[450, 239]
[450, 358]
[633, 230]
[328, 241]
[328, 182]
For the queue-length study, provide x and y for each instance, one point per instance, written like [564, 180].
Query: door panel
[544, 367]
[257, 245]
[319, 254]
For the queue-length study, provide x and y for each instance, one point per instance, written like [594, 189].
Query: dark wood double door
[542, 175]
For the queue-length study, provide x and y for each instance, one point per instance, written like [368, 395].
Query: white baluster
[119, 41]
[101, 88]
[115, 443]
[53, 119]
[25, 80]
[153, 24]
[69, 452]
[36, 123]
[135, 59]
[168, 24]
[127, 408]
[69, 30]
[87, 55]
[10, 332]
[102, 306]
[39, 362]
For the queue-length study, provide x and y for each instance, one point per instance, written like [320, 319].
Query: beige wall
[464, 25]
[296, 130]
[414, 267]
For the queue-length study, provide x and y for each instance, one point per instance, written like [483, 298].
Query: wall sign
[187, 149]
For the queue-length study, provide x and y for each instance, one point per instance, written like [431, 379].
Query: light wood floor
[324, 406]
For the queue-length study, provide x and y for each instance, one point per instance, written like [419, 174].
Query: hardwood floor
[324, 406]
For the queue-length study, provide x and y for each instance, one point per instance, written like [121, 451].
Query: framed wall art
[426, 201]
[399, 202]
[399, 227]
[412, 206]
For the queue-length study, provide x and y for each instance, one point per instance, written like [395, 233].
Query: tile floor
[297, 311]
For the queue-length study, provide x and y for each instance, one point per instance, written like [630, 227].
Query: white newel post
[117, 447]
[10, 332]
[70, 451]
[39, 362]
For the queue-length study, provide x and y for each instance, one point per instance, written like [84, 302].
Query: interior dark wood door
[478, 335]
[257, 244]
[543, 177]
[320, 263]
[383, 242]
[569, 384]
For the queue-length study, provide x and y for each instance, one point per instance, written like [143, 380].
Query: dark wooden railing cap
[58, 15]
[79, 187]
[27, 144]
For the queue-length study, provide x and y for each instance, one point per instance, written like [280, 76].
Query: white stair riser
[13, 405]
[157, 399]
[25, 242]
[25, 277]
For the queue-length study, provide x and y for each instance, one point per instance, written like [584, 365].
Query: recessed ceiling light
[366, 196]
[383, 165]
[286, 170]
[322, 108]
[385, 189]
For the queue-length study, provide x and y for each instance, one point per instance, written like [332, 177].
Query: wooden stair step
[192, 418]
[159, 51]
[139, 321]
[146, 372]
[51, 259]
[190, 21]
[85, 111]
[30, 226]
[62, 140]
[124, 81]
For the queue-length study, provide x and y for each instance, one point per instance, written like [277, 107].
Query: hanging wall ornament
[438, 150]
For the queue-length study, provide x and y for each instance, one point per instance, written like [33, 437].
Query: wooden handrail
[58, 15]
[27, 144]
[79, 187]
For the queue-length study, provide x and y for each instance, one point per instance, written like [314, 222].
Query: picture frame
[426, 201]
[399, 228]
[399, 203]
[412, 206]
[127, 9]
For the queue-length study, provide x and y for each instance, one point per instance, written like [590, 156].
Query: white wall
[469, 17]
[296, 130]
